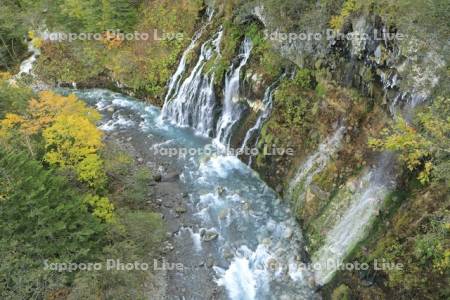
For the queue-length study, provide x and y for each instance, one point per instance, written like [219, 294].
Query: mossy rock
[342, 292]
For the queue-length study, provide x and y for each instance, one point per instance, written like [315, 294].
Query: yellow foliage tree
[423, 145]
[101, 207]
[41, 113]
[67, 128]
[348, 7]
[72, 142]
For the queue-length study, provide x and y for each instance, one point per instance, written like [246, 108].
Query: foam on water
[116, 123]
[229, 198]
[232, 109]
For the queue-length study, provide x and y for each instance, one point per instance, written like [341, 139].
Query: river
[252, 245]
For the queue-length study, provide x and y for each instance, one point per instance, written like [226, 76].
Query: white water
[254, 132]
[193, 104]
[232, 110]
[174, 82]
[257, 250]
[313, 165]
[26, 66]
[354, 223]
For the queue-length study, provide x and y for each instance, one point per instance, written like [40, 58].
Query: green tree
[41, 218]
[101, 15]
[13, 99]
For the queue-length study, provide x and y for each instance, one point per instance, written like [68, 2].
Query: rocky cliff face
[361, 77]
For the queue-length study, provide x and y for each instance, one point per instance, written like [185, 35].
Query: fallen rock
[223, 214]
[227, 253]
[220, 191]
[173, 176]
[167, 204]
[210, 262]
[208, 235]
[309, 197]
[288, 233]
[352, 186]
[279, 188]
[272, 264]
[180, 209]
[157, 177]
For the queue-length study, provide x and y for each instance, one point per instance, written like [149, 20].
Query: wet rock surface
[168, 198]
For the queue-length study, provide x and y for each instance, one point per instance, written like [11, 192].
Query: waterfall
[313, 165]
[193, 103]
[353, 221]
[253, 133]
[239, 224]
[232, 110]
[174, 82]
[27, 65]
[353, 224]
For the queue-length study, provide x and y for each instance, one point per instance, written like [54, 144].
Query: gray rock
[210, 262]
[352, 186]
[209, 235]
[288, 233]
[223, 214]
[173, 176]
[220, 191]
[157, 177]
[180, 209]
[279, 188]
[227, 253]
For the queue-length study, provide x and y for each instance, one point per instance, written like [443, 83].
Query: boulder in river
[209, 235]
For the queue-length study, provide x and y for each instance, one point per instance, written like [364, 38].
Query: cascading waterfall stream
[174, 82]
[354, 223]
[240, 222]
[232, 110]
[193, 104]
[314, 165]
[26, 66]
[253, 134]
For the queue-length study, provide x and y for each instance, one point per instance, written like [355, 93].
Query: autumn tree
[72, 142]
[71, 139]
[422, 145]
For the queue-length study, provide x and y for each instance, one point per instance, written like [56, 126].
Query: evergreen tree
[41, 218]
